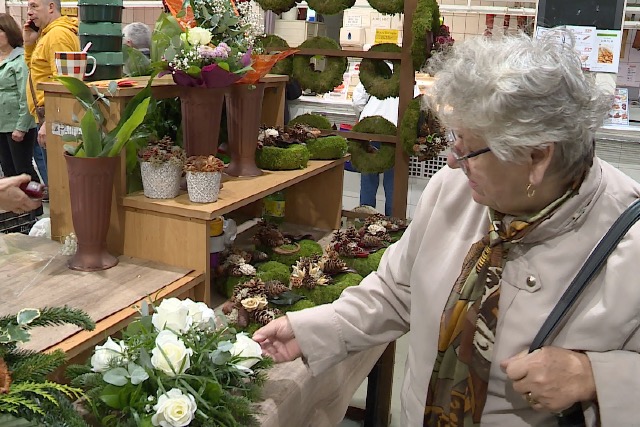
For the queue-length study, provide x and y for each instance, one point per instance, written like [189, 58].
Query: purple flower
[206, 52]
[221, 51]
[224, 46]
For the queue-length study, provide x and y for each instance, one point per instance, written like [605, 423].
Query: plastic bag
[42, 228]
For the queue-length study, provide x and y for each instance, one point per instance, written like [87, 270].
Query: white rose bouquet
[173, 368]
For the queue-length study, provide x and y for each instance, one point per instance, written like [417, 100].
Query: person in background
[17, 127]
[496, 239]
[55, 33]
[138, 36]
[292, 91]
[366, 105]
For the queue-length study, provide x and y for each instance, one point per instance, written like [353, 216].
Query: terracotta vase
[244, 114]
[90, 191]
[201, 115]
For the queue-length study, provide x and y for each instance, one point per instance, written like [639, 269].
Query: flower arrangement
[443, 40]
[163, 151]
[25, 392]
[203, 164]
[177, 367]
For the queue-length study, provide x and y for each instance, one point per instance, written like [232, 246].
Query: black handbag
[574, 417]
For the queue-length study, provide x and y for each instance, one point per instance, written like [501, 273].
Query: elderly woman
[496, 239]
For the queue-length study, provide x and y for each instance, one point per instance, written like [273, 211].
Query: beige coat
[415, 278]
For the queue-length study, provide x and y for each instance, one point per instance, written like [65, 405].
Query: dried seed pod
[228, 307]
[331, 264]
[259, 256]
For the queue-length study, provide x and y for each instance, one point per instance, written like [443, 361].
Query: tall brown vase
[244, 113]
[201, 114]
[90, 191]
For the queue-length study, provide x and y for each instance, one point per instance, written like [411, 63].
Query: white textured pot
[203, 187]
[160, 181]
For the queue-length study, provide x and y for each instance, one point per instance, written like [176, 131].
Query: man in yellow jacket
[54, 33]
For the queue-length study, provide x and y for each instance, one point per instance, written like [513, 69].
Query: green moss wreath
[314, 120]
[329, 148]
[319, 81]
[284, 66]
[296, 156]
[409, 125]
[330, 7]
[277, 6]
[382, 159]
[426, 18]
[388, 7]
[377, 77]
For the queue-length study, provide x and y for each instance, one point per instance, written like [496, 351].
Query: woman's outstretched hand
[278, 340]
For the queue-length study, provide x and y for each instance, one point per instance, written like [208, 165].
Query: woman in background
[17, 127]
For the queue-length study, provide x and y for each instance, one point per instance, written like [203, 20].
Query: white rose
[200, 312]
[172, 314]
[246, 347]
[176, 355]
[199, 36]
[106, 354]
[174, 409]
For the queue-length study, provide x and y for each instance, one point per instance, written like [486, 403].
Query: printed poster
[619, 113]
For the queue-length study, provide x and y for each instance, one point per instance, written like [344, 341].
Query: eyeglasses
[463, 161]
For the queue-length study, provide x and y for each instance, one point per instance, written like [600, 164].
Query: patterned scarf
[458, 385]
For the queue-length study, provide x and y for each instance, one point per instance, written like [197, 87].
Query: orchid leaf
[129, 126]
[91, 135]
[83, 94]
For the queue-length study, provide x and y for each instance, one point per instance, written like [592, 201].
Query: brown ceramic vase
[90, 191]
[244, 113]
[201, 115]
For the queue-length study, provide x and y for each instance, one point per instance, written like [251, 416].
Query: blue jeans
[40, 156]
[369, 183]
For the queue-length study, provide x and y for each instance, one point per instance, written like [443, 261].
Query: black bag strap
[590, 268]
[574, 417]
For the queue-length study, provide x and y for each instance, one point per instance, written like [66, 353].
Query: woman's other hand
[13, 199]
[42, 135]
[278, 340]
[17, 135]
[552, 378]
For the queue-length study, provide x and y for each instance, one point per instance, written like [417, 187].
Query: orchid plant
[179, 366]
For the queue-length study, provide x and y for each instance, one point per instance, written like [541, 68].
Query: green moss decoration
[273, 270]
[376, 75]
[409, 125]
[307, 248]
[327, 294]
[364, 266]
[295, 156]
[314, 120]
[319, 81]
[284, 66]
[250, 329]
[329, 148]
[277, 6]
[380, 160]
[300, 305]
[388, 7]
[426, 18]
[330, 7]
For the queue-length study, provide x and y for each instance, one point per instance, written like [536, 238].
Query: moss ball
[277, 6]
[329, 148]
[314, 120]
[319, 81]
[330, 7]
[273, 270]
[327, 294]
[300, 305]
[364, 266]
[296, 156]
[307, 248]
[387, 7]
[231, 282]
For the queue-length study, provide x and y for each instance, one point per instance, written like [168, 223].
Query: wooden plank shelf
[236, 192]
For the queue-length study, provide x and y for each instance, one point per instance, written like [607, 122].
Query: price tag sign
[386, 36]
[354, 21]
[69, 11]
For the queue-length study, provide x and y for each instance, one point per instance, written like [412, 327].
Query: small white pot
[160, 181]
[203, 187]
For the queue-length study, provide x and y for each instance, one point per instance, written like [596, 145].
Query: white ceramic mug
[74, 64]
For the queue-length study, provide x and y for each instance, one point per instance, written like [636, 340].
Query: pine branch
[33, 366]
[55, 316]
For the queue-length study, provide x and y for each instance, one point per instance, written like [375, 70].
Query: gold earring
[530, 191]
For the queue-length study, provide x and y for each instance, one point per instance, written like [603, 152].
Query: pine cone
[333, 265]
[309, 282]
[267, 315]
[275, 288]
[369, 241]
[351, 234]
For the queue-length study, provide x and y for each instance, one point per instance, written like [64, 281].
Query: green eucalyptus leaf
[113, 86]
[137, 373]
[27, 315]
[145, 359]
[116, 376]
